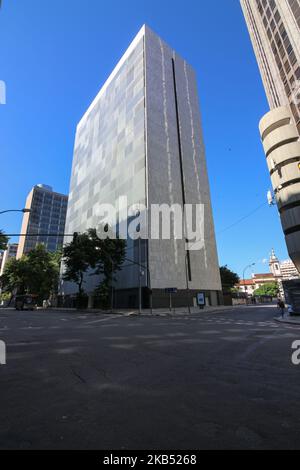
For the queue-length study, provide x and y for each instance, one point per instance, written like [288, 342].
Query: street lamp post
[150, 289]
[245, 269]
[112, 286]
[140, 277]
[138, 231]
[16, 210]
[142, 266]
[187, 280]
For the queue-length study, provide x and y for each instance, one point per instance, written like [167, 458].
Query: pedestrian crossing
[243, 323]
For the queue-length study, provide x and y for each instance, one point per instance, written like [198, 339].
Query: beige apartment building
[274, 27]
[45, 221]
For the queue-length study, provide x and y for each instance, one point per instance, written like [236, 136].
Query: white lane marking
[102, 320]
[32, 328]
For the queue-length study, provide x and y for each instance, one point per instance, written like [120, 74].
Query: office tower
[141, 138]
[274, 27]
[9, 253]
[45, 221]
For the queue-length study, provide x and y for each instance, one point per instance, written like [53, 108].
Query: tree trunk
[80, 290]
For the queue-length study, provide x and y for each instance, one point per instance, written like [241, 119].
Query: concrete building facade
[274, 27]
[275, 33]
[141, 138]
[45, 221]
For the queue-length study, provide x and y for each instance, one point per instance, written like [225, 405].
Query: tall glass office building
[141, 138]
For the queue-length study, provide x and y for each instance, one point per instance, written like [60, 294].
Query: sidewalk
[158, 312]
[165, 312]
[293, 320]
[161, 312]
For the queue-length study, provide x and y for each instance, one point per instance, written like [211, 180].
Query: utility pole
[187, 280]
[140, 277]
[249, 266]
[112, 287]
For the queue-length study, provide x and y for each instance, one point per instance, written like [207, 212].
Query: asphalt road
[210, 381]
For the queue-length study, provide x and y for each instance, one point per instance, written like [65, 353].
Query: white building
[279, 271]
[141, 138]
[288, 270]
[10, 252]
[282, 270]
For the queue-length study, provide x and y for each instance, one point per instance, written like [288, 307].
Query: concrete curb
[195, 311]
[289, 321]
[156, 313]
[182, 313]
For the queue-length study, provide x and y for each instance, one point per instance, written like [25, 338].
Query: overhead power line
[242, 218]
[234, 224]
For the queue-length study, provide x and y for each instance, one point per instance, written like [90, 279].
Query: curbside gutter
[289, 320]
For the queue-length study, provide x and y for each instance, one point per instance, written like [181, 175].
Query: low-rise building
[248, 286]
[279, 271]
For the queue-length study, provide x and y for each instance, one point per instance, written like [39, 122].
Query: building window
[295, 7]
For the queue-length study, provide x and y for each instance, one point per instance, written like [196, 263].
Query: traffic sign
[171, 290]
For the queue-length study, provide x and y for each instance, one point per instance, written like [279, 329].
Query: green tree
[109, 258]
[228, 278]
[270, 289]
[55, 263]
[15, 276]
[3, 241]
[78, 257]
[103, 293]
[36, 273]
[5, 297]
[88, 252]
[43, 269]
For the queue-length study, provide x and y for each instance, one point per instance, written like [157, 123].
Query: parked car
[26, 302]
[290, 309]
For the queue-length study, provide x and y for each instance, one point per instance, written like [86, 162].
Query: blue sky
[56, 55]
